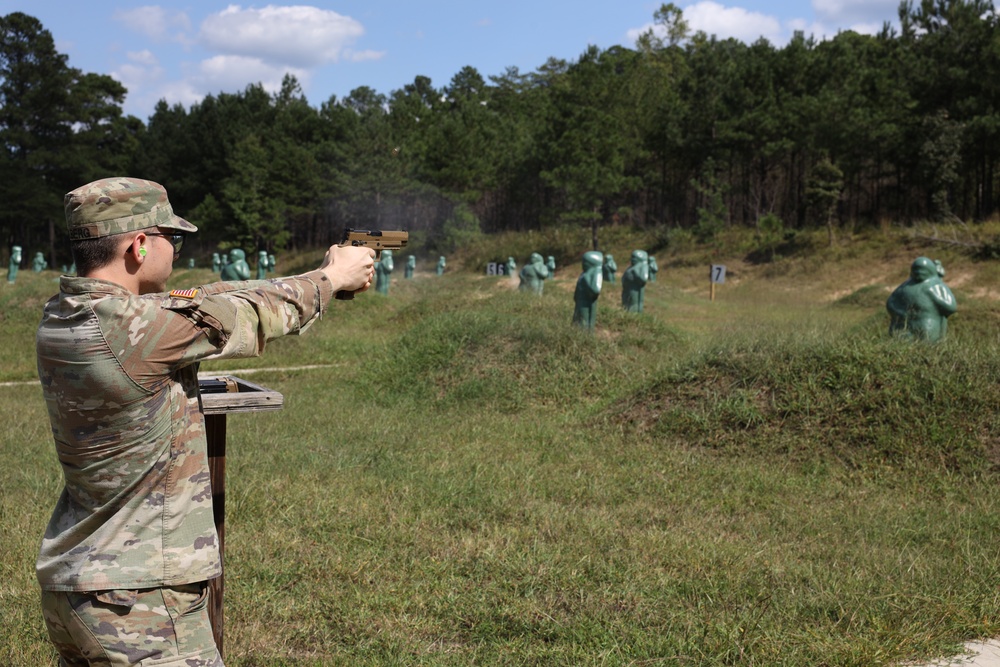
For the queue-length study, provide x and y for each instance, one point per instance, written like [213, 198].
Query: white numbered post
[717, 276]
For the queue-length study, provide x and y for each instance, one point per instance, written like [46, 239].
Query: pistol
[376, 239]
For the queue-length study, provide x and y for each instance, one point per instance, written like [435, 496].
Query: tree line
[682, 130]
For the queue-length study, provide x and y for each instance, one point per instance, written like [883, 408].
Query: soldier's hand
[349, 268]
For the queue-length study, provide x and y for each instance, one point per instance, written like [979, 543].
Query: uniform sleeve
[163, 333]
[243, 316]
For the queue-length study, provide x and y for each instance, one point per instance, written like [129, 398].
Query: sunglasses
[176, 239]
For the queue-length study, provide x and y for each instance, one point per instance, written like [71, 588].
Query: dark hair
[95, 253]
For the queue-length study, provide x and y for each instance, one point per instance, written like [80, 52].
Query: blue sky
[181, 50]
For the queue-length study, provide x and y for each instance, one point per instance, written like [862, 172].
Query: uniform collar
[78, 285]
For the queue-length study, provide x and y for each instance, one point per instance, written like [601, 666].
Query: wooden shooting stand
[222, 395]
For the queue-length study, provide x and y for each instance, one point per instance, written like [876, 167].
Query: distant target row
[918, 309]
[642, 269]
[233, 266]
[598, 268]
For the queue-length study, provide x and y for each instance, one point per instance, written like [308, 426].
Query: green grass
[467, 479]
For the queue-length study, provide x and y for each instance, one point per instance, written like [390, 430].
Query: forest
[679, 131]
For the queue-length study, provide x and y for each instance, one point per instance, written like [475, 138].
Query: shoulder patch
[183, 299]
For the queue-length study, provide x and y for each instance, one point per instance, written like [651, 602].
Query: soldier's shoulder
[182, 299]
[118, 305]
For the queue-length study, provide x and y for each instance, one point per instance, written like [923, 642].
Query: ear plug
[142, 251]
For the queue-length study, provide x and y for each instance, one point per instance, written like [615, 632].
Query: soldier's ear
[136, 249]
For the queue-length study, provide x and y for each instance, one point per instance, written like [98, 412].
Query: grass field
[765, 479]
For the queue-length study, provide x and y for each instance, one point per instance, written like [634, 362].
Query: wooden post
[222, 395]
[215, 432]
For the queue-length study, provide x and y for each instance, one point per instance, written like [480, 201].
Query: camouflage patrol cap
[118, 205]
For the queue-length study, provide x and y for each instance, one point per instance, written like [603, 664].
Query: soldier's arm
[217, 321]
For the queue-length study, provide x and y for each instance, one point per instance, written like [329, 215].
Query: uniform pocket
[187, 606]
[117, 598]
[186, 599]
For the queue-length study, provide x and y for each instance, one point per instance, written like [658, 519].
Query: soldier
[131, 544]
[441, 265]
[39, 264]
[411, 264]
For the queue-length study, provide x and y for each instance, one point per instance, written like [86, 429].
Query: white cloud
[822, 31]
[867, 28]
[856, 12]
[142, 69]
[147, 85]
[181, 92]
[131, 76]
[233, 73]
[144, 57]
[298, 36]
[810, 29]
[746, 26]
[241, 47]
[155, 22]
[140, 76]
[724, 22]
[362, 56]
[833, 16]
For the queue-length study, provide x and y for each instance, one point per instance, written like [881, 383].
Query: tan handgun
[376, 239]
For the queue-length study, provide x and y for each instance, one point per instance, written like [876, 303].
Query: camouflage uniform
[161, 626]
[119, 377]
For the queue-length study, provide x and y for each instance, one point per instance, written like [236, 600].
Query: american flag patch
[184, 293]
